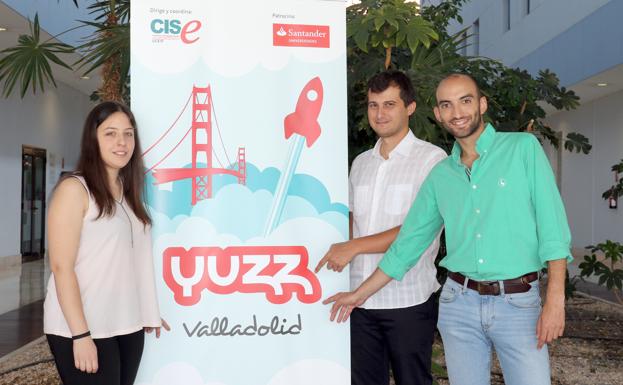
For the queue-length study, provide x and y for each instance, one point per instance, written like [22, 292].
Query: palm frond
[28, 63]
[74, 1]
[105, 43]
[101, 9]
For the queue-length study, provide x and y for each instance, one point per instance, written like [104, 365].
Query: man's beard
[476, 122]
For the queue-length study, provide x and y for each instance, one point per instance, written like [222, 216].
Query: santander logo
[301, 35]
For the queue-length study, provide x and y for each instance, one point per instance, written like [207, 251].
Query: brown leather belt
[511, 286]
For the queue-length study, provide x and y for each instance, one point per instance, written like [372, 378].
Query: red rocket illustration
[303, 126]
[304, 119]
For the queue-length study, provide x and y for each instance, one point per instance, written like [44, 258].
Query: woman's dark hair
[91, 166]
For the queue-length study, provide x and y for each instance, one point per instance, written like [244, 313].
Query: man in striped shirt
[396, 325]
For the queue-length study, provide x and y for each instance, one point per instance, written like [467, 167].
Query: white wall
[547, 19]
[52, 121]
[586, 177]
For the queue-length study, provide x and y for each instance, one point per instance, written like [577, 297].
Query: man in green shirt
[504, 221]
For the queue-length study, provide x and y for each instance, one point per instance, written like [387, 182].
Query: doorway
[33, 203]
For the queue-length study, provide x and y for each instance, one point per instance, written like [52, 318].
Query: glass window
[476, 37]
[506, 15]
[464, 43]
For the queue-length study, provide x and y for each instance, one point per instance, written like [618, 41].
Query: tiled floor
[22, 284]
[19, 327]
[22, 289]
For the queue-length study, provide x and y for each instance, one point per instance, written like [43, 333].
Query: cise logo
[301, 35]
[173, 29]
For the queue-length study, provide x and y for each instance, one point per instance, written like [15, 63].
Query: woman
[101, 296]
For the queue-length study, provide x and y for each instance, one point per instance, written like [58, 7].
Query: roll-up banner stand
[241, 109]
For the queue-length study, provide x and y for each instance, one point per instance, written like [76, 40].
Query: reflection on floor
[19, 327]
[22, 284]
[22, 289]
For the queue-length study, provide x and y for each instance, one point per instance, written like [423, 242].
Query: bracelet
[86, 334]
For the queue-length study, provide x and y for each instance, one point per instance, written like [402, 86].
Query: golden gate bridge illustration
[301, 127]
[202, 147]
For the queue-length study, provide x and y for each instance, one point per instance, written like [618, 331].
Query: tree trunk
[111, 85]
[388, 57]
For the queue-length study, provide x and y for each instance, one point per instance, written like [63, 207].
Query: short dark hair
[464, 75]
[382, 81]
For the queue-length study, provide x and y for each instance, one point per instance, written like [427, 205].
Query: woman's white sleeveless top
[115, 274]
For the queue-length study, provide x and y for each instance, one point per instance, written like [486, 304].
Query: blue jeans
[471, 324]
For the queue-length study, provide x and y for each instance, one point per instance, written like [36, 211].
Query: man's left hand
[551, 323]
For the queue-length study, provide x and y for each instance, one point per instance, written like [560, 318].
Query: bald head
[458, 75]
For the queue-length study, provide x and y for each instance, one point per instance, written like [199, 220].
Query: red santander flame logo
[277, 271]
[301, 35]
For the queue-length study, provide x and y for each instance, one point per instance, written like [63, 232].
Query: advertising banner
[241, 110]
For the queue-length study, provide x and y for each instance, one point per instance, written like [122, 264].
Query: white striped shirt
[381, 193]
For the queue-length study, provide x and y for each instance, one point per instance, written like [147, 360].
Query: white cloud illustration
[312, 372]
[304, 372]
[178, 373]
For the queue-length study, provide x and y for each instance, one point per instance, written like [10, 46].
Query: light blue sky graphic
[307, 197]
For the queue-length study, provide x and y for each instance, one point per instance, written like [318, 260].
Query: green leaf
[351, 29]
[375, 40]
[378, 22]
[29, 62]
[361, 39]
[412, 40]
[101, 10]
[107, 43]
[74, 1]
[577, 142]
[400, 36]
[393, 22]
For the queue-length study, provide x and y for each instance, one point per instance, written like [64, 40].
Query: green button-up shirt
[503, 219]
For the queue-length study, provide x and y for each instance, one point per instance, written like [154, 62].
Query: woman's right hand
[85, 355]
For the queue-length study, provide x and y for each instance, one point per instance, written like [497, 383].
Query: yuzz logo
[173, 28]
[277, 271]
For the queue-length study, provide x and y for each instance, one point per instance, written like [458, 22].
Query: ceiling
[17, 25]
[589, 90]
